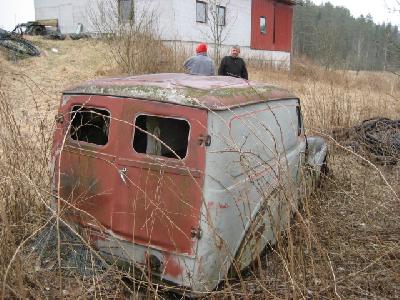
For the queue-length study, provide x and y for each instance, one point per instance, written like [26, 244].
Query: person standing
[233, 65]
[200, 64]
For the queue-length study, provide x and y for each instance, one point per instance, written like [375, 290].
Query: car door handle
[122, 173]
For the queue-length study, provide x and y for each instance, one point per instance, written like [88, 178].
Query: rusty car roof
[207, 92]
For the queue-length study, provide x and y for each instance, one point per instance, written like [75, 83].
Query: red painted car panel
[159, 205]
[88, 196]
[156, 200]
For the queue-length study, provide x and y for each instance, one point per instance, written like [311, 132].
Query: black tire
[323, 173]
[39, 30]
[19, 45]
[324, 168]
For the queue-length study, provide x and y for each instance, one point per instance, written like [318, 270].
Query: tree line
[332, 37]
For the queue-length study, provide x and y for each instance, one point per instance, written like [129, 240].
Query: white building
[263, 28]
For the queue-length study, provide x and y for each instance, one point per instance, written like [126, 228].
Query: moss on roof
[212, 96]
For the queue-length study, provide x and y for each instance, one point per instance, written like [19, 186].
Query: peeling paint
[65, 99]
[154, 208]
[172, 267]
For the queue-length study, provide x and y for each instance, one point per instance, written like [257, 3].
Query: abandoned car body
[187, 176]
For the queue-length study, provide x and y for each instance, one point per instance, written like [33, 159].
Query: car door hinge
[196, 233]
[205, 140]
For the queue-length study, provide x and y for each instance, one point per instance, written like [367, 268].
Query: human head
[235, 51]
[202, 47]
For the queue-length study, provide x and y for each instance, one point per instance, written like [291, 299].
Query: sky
[13, 12]
[380, 10]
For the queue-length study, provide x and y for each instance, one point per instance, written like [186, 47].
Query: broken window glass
[90, 125]
[161, 136]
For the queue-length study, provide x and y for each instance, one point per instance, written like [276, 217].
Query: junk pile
[79, 34]
[76, 257]
[39, 27]
[46, 28]
[55, 35]
[378, 139]
[49, 30]
[16, 44]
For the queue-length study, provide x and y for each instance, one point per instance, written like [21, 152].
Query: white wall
[175, 20]
[278, 59]
[183, 26]
[163, 14]
[69, 13]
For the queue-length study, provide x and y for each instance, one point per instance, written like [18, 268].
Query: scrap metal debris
[76, 257]
[378, 139]
[79, 34]
[17, 44]
[38, 27]
[55, 35]
[47, 28]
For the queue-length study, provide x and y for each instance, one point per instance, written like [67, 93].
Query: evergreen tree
[331, 36]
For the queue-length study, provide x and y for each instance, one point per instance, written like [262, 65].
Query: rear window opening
[90, 125]
[151, 133]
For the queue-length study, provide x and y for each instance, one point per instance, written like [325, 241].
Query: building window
[161, 136]
[201, 12]
[221, 12]
[126, 10]
[263, 25]
[90, 125]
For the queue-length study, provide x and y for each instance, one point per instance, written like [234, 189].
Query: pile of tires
[381, 137]
[377, 139]
[16, 44]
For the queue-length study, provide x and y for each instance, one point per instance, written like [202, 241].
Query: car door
[87, 173]
[161, 162]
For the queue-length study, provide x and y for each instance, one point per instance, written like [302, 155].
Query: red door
[271, 25]
[262, 12]
[283, 27]
[87, 170]
[160, 196]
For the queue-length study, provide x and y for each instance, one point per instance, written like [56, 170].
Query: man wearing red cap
[200, 64]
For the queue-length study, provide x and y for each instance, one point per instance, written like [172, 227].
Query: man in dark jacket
[233, 65]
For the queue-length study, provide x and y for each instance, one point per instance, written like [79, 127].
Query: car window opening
[90, 125]
[153, 133]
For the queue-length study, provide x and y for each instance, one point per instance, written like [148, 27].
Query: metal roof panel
[207, 92]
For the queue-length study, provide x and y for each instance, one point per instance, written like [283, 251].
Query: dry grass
[345, 242]
[334, 99]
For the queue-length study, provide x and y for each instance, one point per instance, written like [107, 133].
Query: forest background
[332, 37]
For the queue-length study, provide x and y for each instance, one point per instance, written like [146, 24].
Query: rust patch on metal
[160, 200]
[172, 267]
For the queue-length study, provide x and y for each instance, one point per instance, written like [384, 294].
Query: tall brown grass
[344, 242]
[24, 152]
